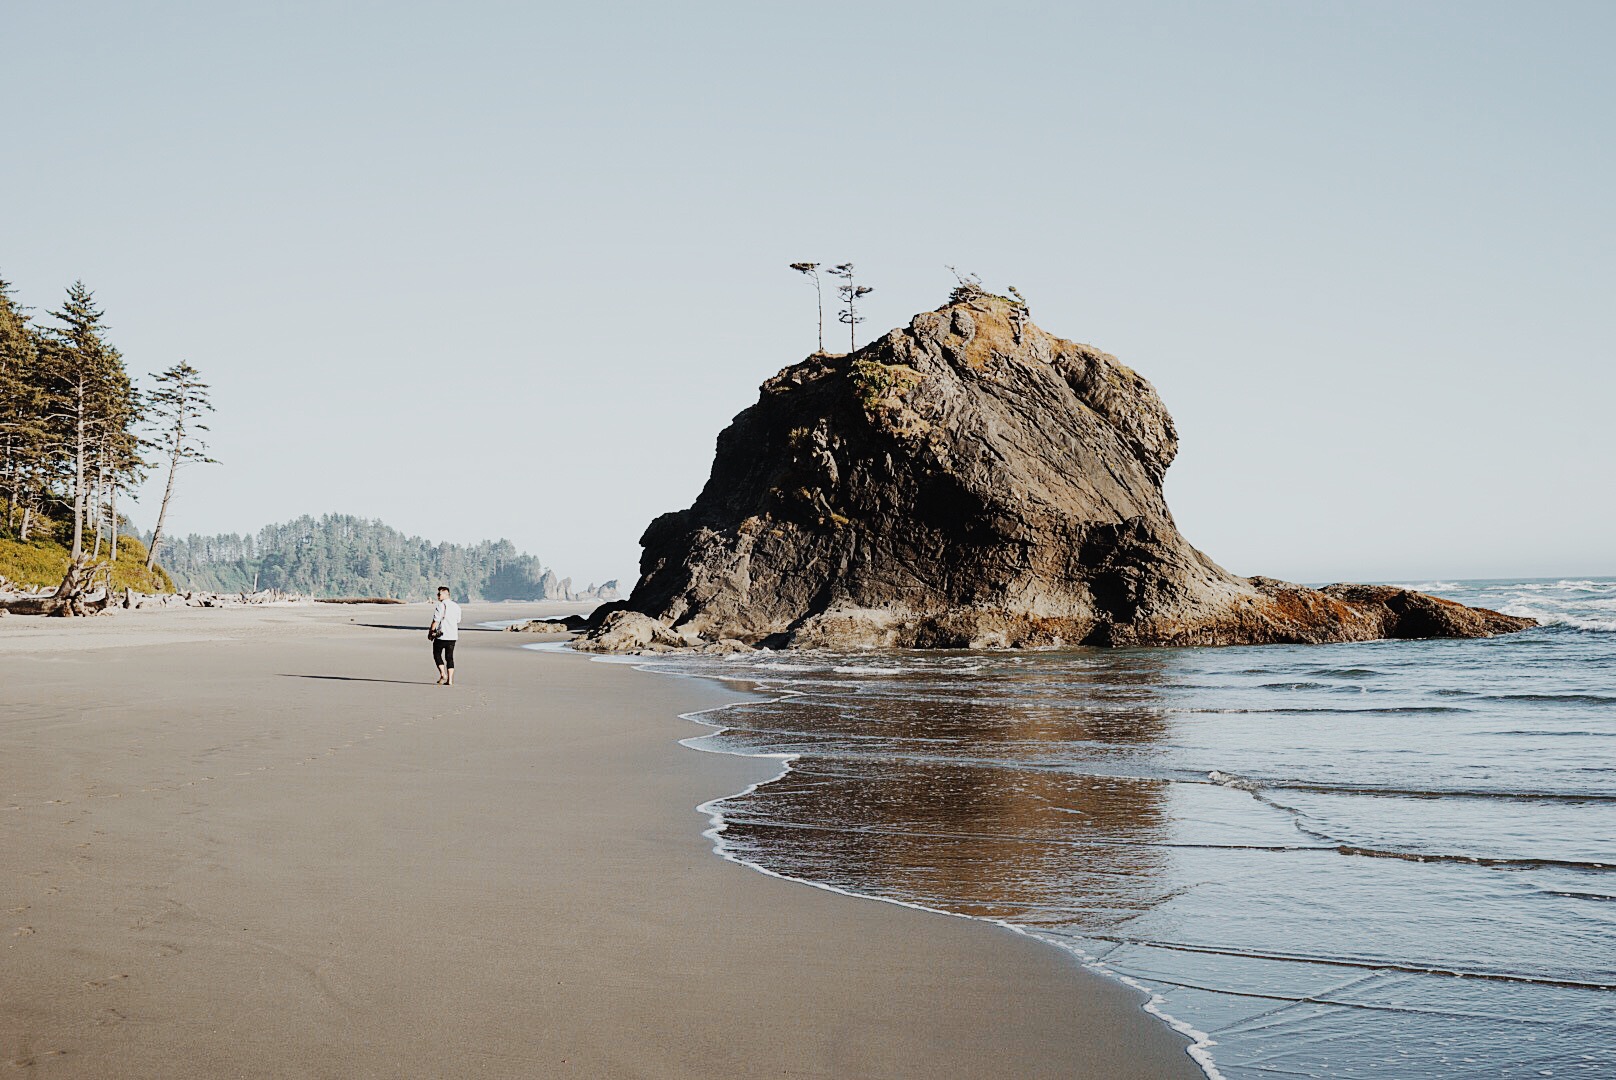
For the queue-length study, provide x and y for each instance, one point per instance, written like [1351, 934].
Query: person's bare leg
[443, 674]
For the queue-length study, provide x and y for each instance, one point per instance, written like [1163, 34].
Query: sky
[488, 270]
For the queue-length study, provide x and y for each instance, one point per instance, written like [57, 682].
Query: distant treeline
[342, 555]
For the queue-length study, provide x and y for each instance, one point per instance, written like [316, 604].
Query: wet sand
[263, 843]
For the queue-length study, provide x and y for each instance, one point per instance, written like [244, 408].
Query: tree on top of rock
[811, 269]
[968, 287]
[851, 293]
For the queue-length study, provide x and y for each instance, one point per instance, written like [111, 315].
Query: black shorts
[443, 652]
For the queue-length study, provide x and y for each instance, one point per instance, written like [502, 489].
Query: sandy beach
[263, 843]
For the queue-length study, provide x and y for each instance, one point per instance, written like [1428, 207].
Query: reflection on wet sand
[970, 820]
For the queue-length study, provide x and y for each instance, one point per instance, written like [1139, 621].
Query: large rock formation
[972, 481]
[554, 588]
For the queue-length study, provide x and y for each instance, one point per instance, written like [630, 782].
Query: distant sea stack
[974, 482]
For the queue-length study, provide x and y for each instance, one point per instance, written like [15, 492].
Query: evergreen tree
[90, 401]
[851, 293]
[178, 403]
[811, 269]
[22, 433]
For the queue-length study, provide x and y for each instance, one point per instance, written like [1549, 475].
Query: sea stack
[971, 481]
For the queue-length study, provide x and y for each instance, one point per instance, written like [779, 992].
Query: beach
[261, 842]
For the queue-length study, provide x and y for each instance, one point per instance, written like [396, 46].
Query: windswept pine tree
[851, 293]
[811, 269]
[178, 403]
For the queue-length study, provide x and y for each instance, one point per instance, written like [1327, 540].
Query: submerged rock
[969, 482]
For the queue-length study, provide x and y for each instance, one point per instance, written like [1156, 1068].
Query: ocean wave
[1560, 618]
[852, 670]
[1390, 710]
[1584, 584]
[1371, 963]
[1426, 586]
[1246, 783]
[1575, 699]
[1570, 894]
[1346, 673]
[1230, 780]
[1495, 862]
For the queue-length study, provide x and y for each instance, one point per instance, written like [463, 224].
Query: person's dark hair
[443, 588]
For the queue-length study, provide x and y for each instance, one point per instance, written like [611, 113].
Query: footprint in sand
[31, 1060]
[22, 931]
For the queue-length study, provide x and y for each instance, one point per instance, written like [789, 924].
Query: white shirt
[447, 616]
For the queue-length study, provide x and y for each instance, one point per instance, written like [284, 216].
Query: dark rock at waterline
[971, 481]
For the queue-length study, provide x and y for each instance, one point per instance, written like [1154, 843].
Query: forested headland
[342, 555]
[78, 434]
[75, 430]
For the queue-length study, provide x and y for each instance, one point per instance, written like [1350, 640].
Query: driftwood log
[72, 595]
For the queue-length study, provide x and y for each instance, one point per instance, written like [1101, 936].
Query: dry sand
[262, 843]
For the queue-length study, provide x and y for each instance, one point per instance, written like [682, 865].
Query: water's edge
[1199, 1043]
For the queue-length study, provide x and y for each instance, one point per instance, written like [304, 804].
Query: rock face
[972, 481]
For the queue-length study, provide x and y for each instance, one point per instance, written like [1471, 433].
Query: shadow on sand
[422, 629]
[356, 678]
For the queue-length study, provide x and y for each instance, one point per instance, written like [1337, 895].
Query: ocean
[1385, 859]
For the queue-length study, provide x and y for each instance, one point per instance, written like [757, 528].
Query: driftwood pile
[72, 597]
[86, 590]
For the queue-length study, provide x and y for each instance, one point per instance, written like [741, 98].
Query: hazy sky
[484, 269]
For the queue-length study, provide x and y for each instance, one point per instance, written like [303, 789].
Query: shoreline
[1199, 1042]
[244, 843]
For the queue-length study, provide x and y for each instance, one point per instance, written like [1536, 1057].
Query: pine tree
[851, 293]
[178, 402]
[22, 434]
[90, 400]
[811, 269]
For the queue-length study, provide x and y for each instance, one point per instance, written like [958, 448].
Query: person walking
[443, 633]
